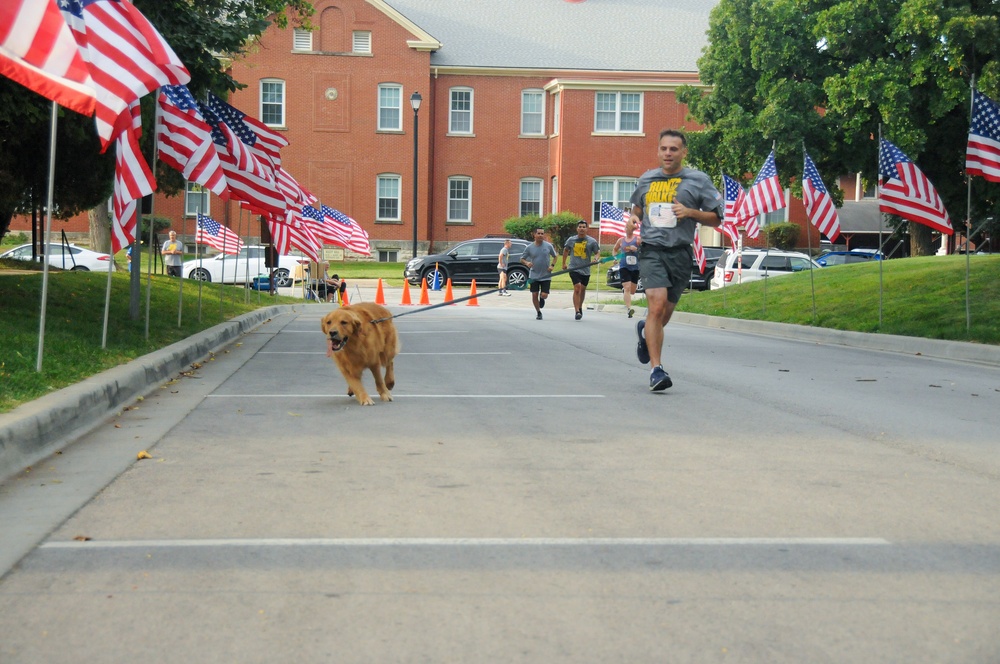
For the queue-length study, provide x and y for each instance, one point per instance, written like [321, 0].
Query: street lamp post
[415, 100]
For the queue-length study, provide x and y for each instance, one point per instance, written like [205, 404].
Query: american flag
[133, 179]
[982, 156]
[248, 180]
[216, 235]
[294, 193]
[612, 220]
[327, 231]
[699, 250]
[292, 232]
[128, 57]
[905, 191]
[184, 140]
[735, 196]
[819, 206]
[358, 239]
[37, 49]
[765, 194]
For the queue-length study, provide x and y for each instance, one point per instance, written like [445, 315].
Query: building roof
[602, 35]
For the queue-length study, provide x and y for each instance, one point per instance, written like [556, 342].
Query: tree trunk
[920, 240]
[100, 229]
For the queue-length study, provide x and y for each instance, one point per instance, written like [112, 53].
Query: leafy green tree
[828, 74]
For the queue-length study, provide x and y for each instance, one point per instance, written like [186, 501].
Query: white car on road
[756, 264]
[65, 257]
[242, 268]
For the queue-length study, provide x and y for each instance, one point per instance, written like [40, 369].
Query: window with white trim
[361, 41]
[460, 199]
[388, 197]
[618, 112]
[302, 40]
[616, 191]
[460, 111]
[532, 113]
[195, 199]
[531, 197]
[272, 102]
[390, 107]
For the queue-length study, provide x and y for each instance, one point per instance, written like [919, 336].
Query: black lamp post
[415, 100]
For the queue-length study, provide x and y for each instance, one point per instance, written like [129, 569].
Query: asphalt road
[523, 499]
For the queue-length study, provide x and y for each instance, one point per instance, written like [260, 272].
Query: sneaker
[541, 303]
[500, 293]
[538, 316]
[659, 380]
[579, 314]
[641, 350]
[631, 312]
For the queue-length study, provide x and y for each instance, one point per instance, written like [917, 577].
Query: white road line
[413, 396]
[476, 542]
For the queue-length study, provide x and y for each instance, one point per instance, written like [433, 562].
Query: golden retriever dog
[356, 343]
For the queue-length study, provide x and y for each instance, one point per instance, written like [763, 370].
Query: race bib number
[661, 215]
[631, 259]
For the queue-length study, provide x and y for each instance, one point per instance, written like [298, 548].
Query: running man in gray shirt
[540, 257]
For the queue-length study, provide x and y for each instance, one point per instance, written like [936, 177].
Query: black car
[472, 259]
[699, 280]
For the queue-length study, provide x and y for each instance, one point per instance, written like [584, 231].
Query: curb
[34, 430]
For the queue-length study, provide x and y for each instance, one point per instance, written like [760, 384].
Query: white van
[756, 264]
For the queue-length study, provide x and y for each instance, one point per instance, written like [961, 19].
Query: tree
[828, 74]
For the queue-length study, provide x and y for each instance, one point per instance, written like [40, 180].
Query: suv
[699, 279]
[759, 264]
[846, 257]
[472, 259]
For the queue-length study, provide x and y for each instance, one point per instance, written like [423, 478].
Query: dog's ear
[325, 323]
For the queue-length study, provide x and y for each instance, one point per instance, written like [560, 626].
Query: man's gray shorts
[666, 267]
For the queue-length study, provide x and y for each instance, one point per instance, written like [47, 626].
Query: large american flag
[735, 195]
[128, 57]
[292, 232]
[358, 239]
[765, 194]
[133, 179]
[37, 49]
[184, 140]
[905, 191]
[327, 231]
[982, 155]
[819, 206]
[216, 235]
[612, 220]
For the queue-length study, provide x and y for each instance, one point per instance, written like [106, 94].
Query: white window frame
[281, 104]
[302, 40]
[192, 192]
[621, 190]
[388, 179]
[539, 190]
[387, 87]
[538, 96]
[603, 102]
[361, 41]
[454, 114]
[467, 199]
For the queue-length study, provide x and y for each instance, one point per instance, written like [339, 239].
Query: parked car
[241, 268]
[699, 280]
[759, 264]
[847, 257]
[472, 259]
[65, 257]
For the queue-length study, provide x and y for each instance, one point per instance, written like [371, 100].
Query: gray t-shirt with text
[656, 192]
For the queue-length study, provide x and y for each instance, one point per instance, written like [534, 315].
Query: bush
[523, 227]
[783, 236]
[560, 226]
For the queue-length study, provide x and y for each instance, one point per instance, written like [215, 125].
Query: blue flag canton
[985, 117]
[888, 157]
[811, 174]
[216, 111]
[310, 212]
[732, 187]
[209, 225]
[609, 211]
[336, 215]
[180, 96]
[74, 7]
[769, 170]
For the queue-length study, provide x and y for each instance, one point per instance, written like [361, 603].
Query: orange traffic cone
[447, 291]
[343, 299]
[473, 300]
[406, 293]
[424, 299]
[379, 295]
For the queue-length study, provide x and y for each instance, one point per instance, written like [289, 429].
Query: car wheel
[430, 273]
[282, 278]
[79, 268]
[517, 279]
[200, 274]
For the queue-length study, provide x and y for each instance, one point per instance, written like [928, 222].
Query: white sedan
[65, 257]
[241, 268]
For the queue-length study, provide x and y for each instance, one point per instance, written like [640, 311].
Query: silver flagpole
[48, 230]
[107, 294]
[246, 284]
[180, 289]
[880, 220]
[809, 245]
[152, 202]
[200, 251]
[968, 216]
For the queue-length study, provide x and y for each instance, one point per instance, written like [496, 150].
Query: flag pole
[152, 203]
[246, 286]
[812, 280]
[107, 296]
[881, 218]
[180, 291]
[968, 214]
[767, 249]
[50, 194]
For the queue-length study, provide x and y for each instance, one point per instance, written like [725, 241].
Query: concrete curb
[37, 429]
